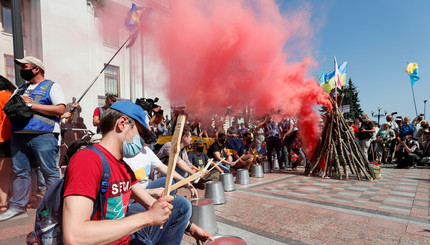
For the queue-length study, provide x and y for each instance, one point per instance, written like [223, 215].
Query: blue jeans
[161, 182]
[173, 230]
[41, 149]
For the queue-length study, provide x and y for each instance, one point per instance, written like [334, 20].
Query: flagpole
[95, 79]
[413, 95]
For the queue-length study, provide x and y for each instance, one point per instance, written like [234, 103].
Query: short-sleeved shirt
[198, 160]
[83, 178]
[164, 153]
[216, 148]
[386, 134]
[142, 164]
[237, 145]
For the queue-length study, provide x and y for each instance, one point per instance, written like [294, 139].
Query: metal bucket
[257, 171]
[242, 177]
[231, 240]
[204, 214]
[227, 181]
[215, 192]
[266, 166]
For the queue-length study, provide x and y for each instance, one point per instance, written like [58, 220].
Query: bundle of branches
[340, 151]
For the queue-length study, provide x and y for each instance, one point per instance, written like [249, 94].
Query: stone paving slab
[285, 207]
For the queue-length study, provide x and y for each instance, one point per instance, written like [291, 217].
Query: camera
[148, 105]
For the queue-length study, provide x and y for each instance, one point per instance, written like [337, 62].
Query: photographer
[407, 152]
[365, 133]
[406, 128]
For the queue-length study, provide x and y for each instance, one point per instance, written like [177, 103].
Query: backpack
[16, 109]
[51, 207]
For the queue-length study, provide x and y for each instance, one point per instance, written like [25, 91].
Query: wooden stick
[206, 168]
[238, 159]
[216, 164]
[174, 153]
[186, 181]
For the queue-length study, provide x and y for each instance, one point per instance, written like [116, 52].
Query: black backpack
[51, 206]
[16, 109]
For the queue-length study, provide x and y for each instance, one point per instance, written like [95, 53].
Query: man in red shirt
[121, 127]
[98, 112]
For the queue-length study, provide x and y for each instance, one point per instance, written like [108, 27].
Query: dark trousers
[274, 145]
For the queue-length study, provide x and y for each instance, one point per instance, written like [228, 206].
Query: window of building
[9, 68]
[112, 80]
[6, 16]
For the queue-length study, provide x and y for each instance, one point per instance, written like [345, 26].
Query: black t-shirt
[215, 148]
[196, 160]
[367, 125]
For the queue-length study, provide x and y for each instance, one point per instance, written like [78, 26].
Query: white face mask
[131, 149]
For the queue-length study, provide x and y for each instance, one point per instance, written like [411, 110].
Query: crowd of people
[398, 140]
[29, 152]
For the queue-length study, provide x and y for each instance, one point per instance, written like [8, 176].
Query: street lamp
[425, 101]
[379, 115]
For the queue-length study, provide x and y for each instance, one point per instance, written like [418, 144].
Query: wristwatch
[29, 105]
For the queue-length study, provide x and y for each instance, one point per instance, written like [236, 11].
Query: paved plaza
[289, 208]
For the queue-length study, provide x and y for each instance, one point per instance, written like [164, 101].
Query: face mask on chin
[131, 149]
[27, 75]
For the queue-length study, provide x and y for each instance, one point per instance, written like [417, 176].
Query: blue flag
[412, 70]
[134, 18]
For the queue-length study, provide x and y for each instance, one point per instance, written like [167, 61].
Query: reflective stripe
[41, 117]
[44, 119]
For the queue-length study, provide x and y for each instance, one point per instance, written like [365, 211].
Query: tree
[350, 92]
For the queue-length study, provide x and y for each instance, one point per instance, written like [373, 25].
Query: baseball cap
[30, 59]
[386, 123]
[198, 141]
[132, 110]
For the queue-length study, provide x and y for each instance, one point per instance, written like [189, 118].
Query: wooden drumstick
[206, 168]
[174, 153]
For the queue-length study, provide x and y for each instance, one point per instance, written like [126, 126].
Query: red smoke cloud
[231, 53]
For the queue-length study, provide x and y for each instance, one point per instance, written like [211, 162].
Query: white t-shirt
[57, 97]
[142, 165]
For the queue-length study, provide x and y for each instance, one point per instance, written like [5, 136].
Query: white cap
[30, 59]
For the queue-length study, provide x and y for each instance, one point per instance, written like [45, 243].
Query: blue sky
[377, 38]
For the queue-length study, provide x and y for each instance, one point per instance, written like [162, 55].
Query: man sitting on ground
[183, 165]
[121, 127]
[218, 152]
[241, 150]
[199, 159]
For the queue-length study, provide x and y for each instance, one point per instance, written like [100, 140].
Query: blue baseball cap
[132, 110]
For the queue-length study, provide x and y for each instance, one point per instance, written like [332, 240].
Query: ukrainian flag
[412, 70]
[329, 79]
[133, 19]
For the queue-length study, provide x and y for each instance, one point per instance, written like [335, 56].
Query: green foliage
[350, 92]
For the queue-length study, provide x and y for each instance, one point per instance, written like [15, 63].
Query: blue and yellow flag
[134, 18]
[329, 78]
[412, 70]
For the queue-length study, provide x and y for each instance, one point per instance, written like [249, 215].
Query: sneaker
[10, 213]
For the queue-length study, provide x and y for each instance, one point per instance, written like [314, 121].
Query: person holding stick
[199, 159]
[122, 127]
[218, 152]
[184, 166]
[145, 162]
